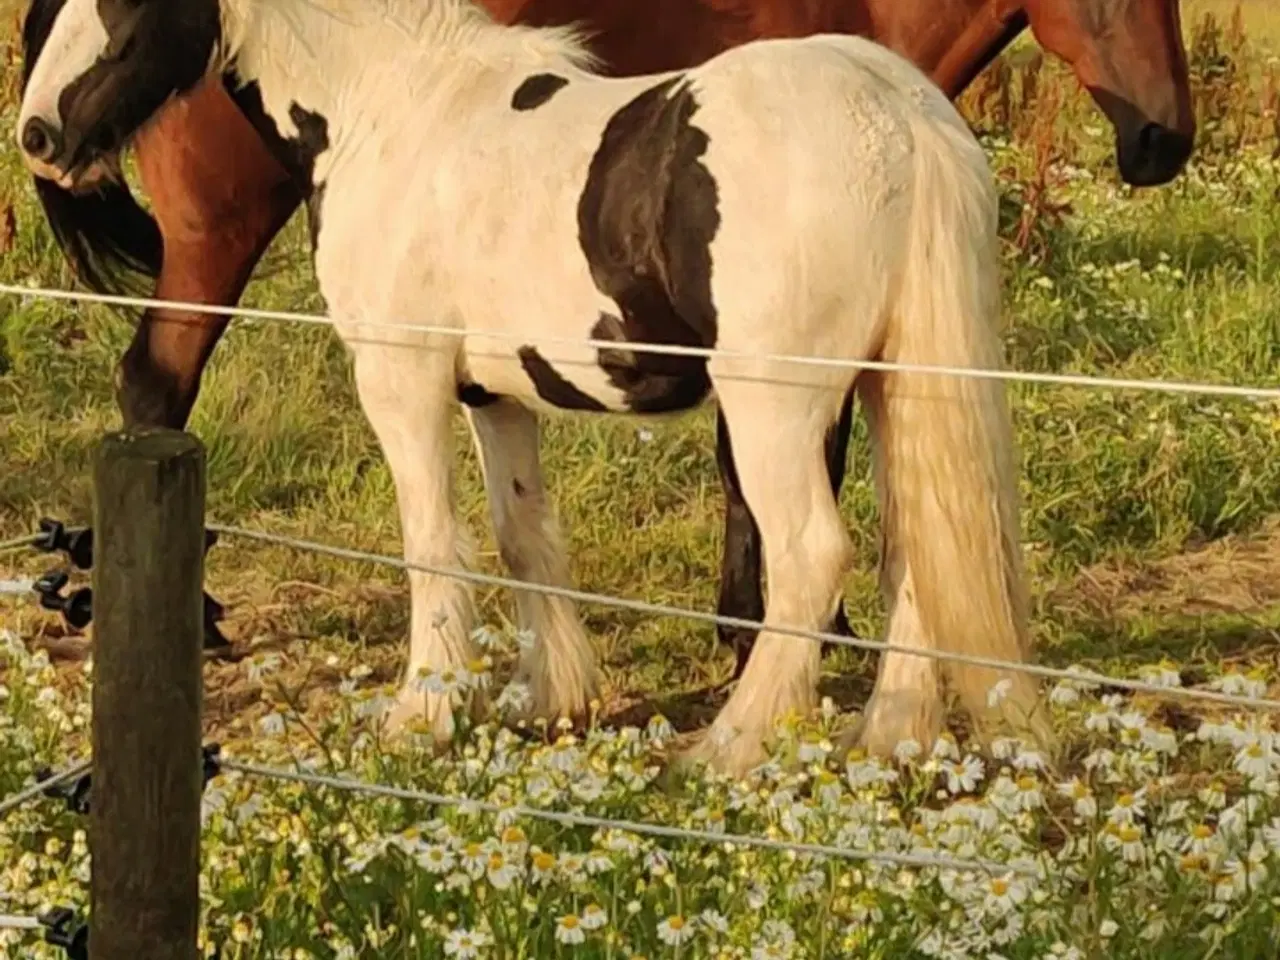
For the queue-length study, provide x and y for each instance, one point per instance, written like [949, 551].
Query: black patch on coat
[646, 219]
[536, 90]
[552, 387]
[473, 395]
[296, 154]
[652, 382]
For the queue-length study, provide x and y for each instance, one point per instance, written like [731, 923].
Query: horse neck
[356, 61]
[951, 40]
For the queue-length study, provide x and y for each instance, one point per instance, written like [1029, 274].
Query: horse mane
[460, 22]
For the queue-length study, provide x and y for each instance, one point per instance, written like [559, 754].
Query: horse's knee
[147, 394]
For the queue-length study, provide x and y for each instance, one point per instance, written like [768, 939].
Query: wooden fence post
[144, 819]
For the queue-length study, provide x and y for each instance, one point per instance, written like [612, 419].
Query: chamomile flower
[675, 930]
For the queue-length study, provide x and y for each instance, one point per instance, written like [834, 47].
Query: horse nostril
[40, 140]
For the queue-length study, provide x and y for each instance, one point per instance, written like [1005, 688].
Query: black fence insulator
[76, 543]
[63, 930]
[214, 639]
[76, 607]
[75, 793]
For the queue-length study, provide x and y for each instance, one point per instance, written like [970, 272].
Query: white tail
[944, 444]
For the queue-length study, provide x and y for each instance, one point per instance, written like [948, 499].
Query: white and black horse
[809, 197]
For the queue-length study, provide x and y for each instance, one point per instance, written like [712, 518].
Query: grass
[1152, 521]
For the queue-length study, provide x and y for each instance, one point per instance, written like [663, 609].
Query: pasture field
[1152, 525]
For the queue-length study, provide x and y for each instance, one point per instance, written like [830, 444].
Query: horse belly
[548, 373]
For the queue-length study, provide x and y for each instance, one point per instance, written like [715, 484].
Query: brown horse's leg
[741, 593]
[220, 199]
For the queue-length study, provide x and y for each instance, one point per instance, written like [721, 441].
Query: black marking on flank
[537, 89]
[475, 396]
[646, 219]
[552, 387]
[517, 487]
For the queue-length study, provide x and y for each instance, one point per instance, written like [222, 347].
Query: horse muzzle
[46, 155]
[1152, 155]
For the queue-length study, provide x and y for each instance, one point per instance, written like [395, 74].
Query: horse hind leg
[559, 666]
[785, 481]
[741, 589]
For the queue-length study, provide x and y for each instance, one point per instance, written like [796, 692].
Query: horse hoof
[732, 753]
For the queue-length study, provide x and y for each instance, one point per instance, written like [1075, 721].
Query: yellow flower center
[676, 922]
[570, 922]
[999, 887]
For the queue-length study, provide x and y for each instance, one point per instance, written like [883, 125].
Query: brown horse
[220, 195]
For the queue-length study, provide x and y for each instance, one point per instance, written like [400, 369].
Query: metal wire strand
[663, 610]
[12, 803]
[17, 543]
[1021, 376]
[631, 826]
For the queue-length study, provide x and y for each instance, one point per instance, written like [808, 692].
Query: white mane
[460, 25]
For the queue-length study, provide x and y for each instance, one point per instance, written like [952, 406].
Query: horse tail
[109, 239]
[949, 490]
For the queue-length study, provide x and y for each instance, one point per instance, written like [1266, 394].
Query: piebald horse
[221, 191]
[801, 197]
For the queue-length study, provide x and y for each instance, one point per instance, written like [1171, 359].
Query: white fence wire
[571, 819]
[9, 804]
[1021, 376]
[9, 921]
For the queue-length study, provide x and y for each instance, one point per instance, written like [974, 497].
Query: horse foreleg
[741, 593]
[558, 663]
[407, 393]
[220, 198]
